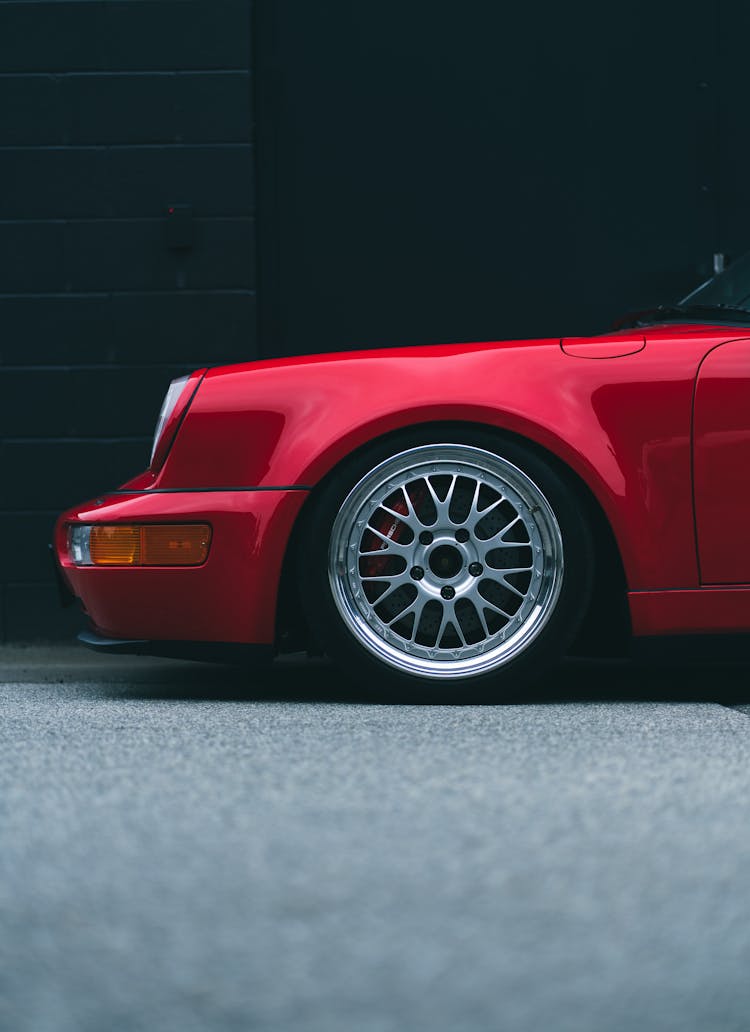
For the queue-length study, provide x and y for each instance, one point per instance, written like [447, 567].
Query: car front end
[179, 570]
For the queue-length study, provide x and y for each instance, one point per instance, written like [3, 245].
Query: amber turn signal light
[179, 544]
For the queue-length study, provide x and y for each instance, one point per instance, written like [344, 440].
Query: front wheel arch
[605, 628]
[497, 442]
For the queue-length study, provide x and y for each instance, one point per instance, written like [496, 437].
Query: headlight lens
[79, 550]
[176, 388]
[178, 400]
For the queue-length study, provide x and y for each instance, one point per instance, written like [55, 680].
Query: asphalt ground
[192, 848]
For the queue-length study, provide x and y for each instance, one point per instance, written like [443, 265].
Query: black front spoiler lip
[232, 652]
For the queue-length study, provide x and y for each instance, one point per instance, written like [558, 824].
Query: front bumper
[231, 598]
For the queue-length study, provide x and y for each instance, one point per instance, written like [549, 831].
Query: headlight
[176, 388]
[174, 407]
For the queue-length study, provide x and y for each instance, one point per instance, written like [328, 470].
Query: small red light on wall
[179, 226]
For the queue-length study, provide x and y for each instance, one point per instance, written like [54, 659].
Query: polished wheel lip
[546, 571]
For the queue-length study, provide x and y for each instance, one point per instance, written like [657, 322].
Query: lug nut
[448, 592]
[417, 572]
[476, 569]
[462, 535]
[425, 537]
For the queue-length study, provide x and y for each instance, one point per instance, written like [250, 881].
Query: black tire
[363, 625]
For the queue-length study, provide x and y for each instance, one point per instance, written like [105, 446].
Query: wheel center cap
[445, 561]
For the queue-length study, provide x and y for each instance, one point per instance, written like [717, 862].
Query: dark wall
[450, 171]
[109, 113]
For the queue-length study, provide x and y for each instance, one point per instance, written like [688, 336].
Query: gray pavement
[184, 847]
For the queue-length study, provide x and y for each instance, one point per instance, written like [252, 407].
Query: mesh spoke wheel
[445, 561]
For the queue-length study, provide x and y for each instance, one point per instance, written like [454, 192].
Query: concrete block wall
[110, 113]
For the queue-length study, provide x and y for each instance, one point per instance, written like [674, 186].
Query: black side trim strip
[207, 490]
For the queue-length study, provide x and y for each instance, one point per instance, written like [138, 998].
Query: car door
[721, 464]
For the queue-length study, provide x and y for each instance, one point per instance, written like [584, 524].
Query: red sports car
[458, 513]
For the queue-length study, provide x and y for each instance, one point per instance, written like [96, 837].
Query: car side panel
[720, 610]
[622, 424]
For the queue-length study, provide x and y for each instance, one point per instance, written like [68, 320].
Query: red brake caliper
[393, 529]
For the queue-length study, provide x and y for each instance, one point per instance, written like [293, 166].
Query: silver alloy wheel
[445, 561]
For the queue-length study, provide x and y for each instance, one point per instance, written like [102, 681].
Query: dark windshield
[724, 298]
[731, 287]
